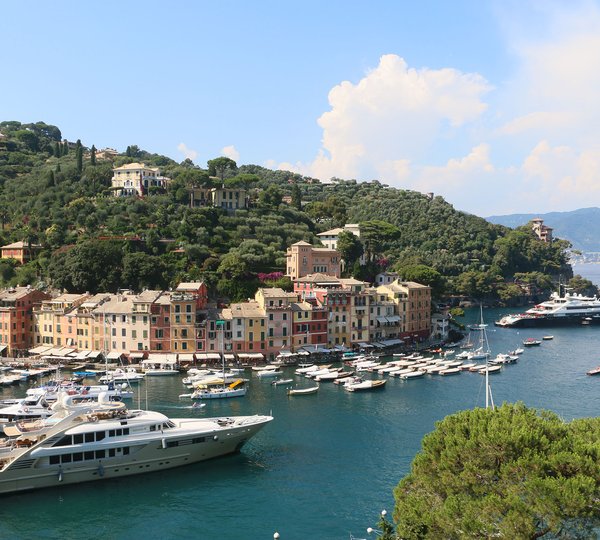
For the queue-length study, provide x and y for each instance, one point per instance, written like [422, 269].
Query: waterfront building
[412, 303]
[137, 179]
[160, 324]
[309, 325]
[304, 259]
[89, 330]
[54, 323]
[113, 323]
[276, 305]
[16, 318]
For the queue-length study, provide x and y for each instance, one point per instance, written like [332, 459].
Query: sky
[494, 105]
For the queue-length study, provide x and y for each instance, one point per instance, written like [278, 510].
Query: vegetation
[512, 472]
[59, 195]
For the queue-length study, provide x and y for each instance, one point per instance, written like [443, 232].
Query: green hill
[58, 195]
[580, 227]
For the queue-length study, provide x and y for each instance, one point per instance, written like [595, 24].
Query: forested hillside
[581, 227]
[60, 198]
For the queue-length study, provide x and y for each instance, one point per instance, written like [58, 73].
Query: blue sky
[492, 105]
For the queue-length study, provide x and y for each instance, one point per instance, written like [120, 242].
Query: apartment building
[16, 318]
[304, 259]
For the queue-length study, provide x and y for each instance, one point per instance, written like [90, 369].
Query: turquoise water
[324, 468]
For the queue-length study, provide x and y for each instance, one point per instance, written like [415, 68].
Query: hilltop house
[137, 179]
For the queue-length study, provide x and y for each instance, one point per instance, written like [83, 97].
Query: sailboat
[484, 348]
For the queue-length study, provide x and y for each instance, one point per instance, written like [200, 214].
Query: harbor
[328, 462]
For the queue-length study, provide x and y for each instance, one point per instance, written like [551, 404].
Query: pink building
[304, 259]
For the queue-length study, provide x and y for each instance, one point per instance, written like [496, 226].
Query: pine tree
[93, 156]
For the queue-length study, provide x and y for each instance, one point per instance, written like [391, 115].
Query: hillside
[59, 196]
[580, 227]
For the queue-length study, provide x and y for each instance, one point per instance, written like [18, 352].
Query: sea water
[324, 468]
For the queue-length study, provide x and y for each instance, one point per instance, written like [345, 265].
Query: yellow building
[55, 322]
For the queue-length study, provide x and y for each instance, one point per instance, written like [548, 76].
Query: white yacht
[108, 441]
[558, 310]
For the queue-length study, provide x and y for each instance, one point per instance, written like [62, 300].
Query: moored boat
[106, 441]
[302, 391]
[365, 386]
[595, 371]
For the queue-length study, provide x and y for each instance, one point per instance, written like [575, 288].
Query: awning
[186, 357]
[82, 355]
[113, 355]
[39, 349]
[230, 356]
[94, 354]
[364, 345]
[3, 348]
[208, 356]
[393, 318]
[391, 342]
[136, 355]
[382, 320]
[251, 356]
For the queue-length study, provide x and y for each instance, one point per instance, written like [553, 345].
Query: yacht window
[78, 456]
[89, 437]
[111, 433]
[66, 458]
[126, 431]
[100, 454]
[111, 452]
[100, 435]
[78, 439]
[65, 441]
[54, 460]
[152, 427]
[126, 451]
[88, 455]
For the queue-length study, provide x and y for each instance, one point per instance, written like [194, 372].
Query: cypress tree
[65, 148]
[56, 150]
[128, 151]
[93, 155]
[79, 156]
[50, 181]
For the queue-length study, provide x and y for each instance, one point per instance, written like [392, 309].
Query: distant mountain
[581, 227]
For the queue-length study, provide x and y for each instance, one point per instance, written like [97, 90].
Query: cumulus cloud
[188, 153]
[528, 143]
[231, 153]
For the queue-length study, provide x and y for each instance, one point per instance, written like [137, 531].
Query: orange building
[20, 251]
[16, 318]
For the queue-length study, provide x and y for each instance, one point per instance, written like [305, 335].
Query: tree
[271, 197]
[93, 156]
[218, 166]
[421, 273]
[580, 285]
[79, 157]
[350, 247]
[296, 197]
[512, 472]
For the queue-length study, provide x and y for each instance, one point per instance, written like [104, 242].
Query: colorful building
[304, 259]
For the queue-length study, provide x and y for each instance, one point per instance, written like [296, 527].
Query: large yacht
[558, 310]
[107, 440]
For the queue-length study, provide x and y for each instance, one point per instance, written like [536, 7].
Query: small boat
[595, 371]
[516, 352]
[489, 370]
[279, 382]
[268, 373]
[365, 385]
[302, 391]
[450, 371]
[413, 374]
[531, 342]
[548, 338]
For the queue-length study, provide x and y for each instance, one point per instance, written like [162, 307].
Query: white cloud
[533, 145]
[188, 153]
[231, 153]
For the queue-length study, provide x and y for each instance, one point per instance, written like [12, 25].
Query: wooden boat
[489, 370]
[302, 391]
[365, 386]
[595, 371]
